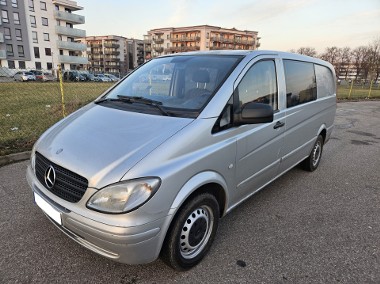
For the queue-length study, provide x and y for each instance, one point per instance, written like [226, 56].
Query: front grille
[68, 185]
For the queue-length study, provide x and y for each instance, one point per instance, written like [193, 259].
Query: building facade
[182, 39]
[41, 34]
[112, 54]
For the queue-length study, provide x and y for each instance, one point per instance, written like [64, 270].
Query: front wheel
[311, 163]
[192, 232]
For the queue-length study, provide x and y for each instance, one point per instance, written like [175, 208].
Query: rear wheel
[311, 163]
[192, 232]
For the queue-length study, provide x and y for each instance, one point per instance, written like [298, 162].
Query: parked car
[113, 78]
[24, 76]
[47, 77]
[38, 74]
[102, 78]
[73, 75]
[89, 76]
[149, 168]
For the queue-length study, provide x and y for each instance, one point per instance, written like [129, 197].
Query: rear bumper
[131, 245]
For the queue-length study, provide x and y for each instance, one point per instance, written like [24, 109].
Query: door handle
[278, 124]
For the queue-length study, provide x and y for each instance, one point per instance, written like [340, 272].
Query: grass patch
[28, 109]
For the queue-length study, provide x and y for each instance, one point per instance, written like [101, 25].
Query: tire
[311, 163]
[191, 233]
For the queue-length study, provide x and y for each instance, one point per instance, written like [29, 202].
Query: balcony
[72, 59]
[1, 37]
[182, 48]
[189, 38]
[112, 64]
[68, 4]
[69, 17]
[147, 41]
[111, 59]
[3, 54]
[158, 40]
[76, 46]
[111, 45]
[111, 52]
[148, 49]
[158, 49]
[70, 31]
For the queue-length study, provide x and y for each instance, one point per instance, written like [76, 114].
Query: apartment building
[112, 54]
[41, 34]
[183, 39]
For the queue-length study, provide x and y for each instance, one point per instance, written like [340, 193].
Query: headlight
[124, 196]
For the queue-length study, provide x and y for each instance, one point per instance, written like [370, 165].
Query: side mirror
[253, 113]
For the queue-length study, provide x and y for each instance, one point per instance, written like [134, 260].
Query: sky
[281, 24]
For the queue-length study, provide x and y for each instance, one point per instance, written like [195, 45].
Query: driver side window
[259, 85]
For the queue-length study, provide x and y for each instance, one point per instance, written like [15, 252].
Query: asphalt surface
[321, 227]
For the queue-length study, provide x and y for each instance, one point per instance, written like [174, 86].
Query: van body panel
[163, 129]
[117, 148]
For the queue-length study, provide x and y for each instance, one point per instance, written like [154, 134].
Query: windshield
[182, 84]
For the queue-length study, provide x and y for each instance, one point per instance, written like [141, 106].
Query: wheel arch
[210, 182]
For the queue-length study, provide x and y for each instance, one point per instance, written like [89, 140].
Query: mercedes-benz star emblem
[50, 177]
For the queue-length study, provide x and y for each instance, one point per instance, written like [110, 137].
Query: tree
[375, 59]
[332, 55]
[359, 57]
[344, 61]
[309, 51]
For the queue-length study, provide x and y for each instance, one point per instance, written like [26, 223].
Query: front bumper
[130, 244]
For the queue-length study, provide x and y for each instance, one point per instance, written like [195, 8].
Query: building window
[58, 23]
[14, 4]
[43, 6]
[48, 51]
[4, 16]
[20, 50]
[49, 65]
[69, 25]
[7, 33]
[10, 50]
[31, 5]
[44, 21]
[34, 37]
[11, 64]
[67, 10]
[18, 34]
[56, 7]
[16, 18]
[38, 65]
[21, 64]
[46, 37]
[61, 52]
[36, 52]
[33, 23]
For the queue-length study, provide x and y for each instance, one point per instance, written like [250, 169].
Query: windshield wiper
[156, 104]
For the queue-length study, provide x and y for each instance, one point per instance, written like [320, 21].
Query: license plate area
[48, 209]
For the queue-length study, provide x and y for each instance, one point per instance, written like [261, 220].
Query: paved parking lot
[321, 227]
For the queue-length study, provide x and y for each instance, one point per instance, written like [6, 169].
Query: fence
[28, 108]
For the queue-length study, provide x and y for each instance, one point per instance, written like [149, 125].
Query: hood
[102, 144]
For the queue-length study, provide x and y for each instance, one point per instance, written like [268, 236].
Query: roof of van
[254, 53]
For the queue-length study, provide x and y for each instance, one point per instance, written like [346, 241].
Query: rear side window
[325, 81]
[300, 82]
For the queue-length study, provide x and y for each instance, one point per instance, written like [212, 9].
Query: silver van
[150, 167]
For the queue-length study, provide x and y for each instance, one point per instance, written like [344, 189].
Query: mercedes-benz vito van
[150, 167]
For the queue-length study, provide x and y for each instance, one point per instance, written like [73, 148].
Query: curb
[13, 158]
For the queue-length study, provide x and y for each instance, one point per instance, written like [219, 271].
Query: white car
[113, 78]
[24, 76]
[102, 78]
